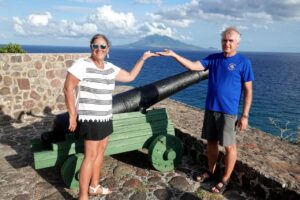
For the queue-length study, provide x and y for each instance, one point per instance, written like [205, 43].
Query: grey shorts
[219, 126]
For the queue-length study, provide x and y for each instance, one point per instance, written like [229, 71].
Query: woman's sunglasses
[97, 46]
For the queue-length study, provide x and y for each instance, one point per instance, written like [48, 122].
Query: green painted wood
[122, 149]
[46, 159]
[165, 152]
[149, 113]
[70, 170]
[132, 131]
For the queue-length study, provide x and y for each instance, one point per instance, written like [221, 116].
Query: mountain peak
[157, 41]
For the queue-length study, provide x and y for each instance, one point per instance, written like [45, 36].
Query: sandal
[94, 191]
[204, 177]
[219, 187]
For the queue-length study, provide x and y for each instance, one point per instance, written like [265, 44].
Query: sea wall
[267, 166]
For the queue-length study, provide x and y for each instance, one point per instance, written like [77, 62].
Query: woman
[94, 79]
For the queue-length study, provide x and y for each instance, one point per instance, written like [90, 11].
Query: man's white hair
[231, 29]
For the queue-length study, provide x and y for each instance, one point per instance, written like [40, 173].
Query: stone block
[23, 84]
[56, 83]
[60, 99]
[32, 73]
[50, 74]
[15, 59]
[27, 58]
[38, 65]
[69, 63]
[7, 81]
[6, 67]
[5, 91]
[28, 104]
[34, 95]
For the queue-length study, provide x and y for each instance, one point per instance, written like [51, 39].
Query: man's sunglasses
[97, 46]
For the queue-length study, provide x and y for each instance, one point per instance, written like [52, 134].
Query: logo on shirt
[231, 67]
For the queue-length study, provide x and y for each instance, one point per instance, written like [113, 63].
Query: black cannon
[143, 97]
[137, 99]
[151, 129]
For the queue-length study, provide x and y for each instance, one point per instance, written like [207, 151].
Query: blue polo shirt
[225, 83]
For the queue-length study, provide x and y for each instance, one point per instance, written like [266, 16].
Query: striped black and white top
[94, 91]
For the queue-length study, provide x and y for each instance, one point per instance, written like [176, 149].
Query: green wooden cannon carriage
[132, 130]
[153, 131]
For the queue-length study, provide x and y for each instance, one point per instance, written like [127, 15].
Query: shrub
[12, 48]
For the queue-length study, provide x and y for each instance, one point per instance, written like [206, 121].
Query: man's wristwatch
[245, 116]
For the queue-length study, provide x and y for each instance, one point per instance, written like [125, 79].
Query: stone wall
[32, 83]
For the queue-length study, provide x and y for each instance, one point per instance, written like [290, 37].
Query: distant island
[161, 42]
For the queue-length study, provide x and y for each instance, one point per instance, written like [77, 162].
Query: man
[230, 75]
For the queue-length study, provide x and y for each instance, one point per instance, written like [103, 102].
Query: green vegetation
[12, 48]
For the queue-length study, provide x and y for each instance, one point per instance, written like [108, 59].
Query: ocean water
[276, 89]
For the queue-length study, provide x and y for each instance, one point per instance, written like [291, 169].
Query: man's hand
[166, 52]
[242, 124]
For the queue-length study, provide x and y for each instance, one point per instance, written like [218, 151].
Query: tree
[12, 48]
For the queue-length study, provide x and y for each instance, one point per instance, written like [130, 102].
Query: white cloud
[91, 1]
[172, 22]
[17, 20]
[35, 24]
[184, 37]
[156, 28]
[158, 2]
[41, 24]
[240, 28]
[39, 19]
[19, 29]
[260, 26]
[110, 22]
[72, 29]
[242, 10]
[73, 9]
[104, 19]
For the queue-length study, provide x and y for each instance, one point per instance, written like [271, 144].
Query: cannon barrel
[143, 97]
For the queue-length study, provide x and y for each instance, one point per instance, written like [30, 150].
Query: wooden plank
[133, 122]
[125, 133]
[122, 149]
[52, 158]
[144, 133]
[149, 127]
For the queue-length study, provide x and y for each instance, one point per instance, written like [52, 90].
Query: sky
[265, 25]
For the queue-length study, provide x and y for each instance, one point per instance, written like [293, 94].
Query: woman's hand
[148, 54]
[166, 52]
[72, 123]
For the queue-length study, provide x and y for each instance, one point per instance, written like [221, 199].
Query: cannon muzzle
[143, 97]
